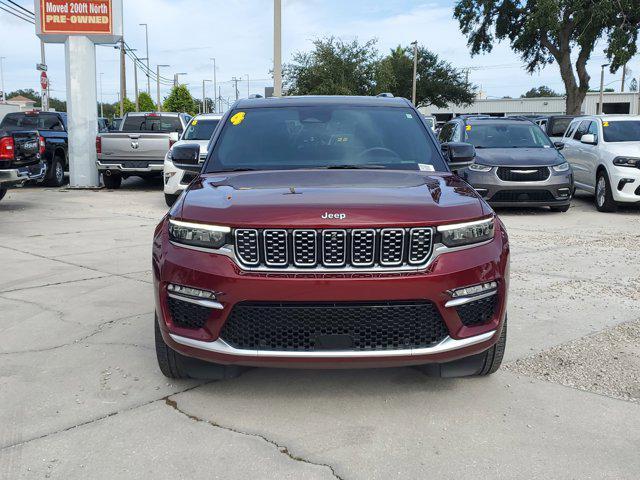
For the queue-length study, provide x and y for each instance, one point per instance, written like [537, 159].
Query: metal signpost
[80, 24]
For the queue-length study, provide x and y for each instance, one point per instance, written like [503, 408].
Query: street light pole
[159, 106]
[277, 48]
[215, 86]
[101, 102]
[123, 76]
[176, 78]
[415, 72]
[146, 34]
[204, 96]
[45, 91]
[4, 95]
[601, 106]
[235, 85]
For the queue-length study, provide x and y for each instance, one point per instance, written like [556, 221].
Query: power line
[22, 8]
[17, 15]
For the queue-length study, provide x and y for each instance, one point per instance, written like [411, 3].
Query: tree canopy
[180, 100]
[146, 103]
[335, 67]
[542, 91]
[548, 31]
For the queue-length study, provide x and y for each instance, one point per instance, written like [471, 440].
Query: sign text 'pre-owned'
[76, 17]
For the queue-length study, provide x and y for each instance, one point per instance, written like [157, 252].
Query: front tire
[170, 199]
[55, 177]
[3, 192]
[113, 181]
[604, 197]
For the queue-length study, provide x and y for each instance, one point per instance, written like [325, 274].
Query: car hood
[518, 157]
[301, 198]
[630, 149]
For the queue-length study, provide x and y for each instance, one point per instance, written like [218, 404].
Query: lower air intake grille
[188, 315]
[478, 312]
[327, 326]
[514, 196]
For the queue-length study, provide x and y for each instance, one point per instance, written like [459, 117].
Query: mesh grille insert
[188, 315]
[478, 312]
[304, 327]
[523, 174]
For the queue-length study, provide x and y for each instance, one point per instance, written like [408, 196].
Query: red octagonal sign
[44, 81]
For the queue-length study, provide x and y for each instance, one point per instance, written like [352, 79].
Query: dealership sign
[100, 20]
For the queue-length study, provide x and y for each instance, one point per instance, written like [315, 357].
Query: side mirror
[558, 145]
[174, 137]
[187, 154]
[458, 154]
[589, 139]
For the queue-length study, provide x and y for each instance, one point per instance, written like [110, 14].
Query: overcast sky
[239, 33]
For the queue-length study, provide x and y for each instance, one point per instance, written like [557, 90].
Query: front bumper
[18, 176]
[176, 179]
[625, 184]
[213, 272]
[557, 190]
[130, 166]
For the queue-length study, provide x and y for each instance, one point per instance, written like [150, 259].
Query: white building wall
[7, 108]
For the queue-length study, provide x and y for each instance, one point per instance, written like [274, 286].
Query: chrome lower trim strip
[456, 302]
[198, 301]
[446, 345]
[157, 167]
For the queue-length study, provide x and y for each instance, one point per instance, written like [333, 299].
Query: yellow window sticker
[468, 128]
[238, 118]
[605, 124]
[194, 122]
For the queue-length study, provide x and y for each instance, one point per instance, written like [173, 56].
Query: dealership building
[614, 103]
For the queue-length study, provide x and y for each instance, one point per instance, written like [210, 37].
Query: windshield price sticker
[605, 124]
[74, 17]
[238, 118]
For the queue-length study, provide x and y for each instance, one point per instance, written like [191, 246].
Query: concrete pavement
[82, 396]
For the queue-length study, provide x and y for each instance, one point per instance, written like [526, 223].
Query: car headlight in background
[198, 234]
[563, 167]
[627, 162]
[477, 167]
[467, 233]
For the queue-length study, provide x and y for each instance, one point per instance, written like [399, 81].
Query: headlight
[563, 167]
[477, 167]
[626, 162]
[198, 234]
[467, 233]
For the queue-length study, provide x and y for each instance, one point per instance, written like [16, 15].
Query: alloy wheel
[601, 190]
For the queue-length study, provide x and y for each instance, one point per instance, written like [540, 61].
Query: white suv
[199, 131]
[604, 152]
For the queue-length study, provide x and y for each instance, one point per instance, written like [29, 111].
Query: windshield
[559, 126]
[621, 131]
[325, 137]
[200, 129]
[510, 135]
[39, 121]
[152, 123]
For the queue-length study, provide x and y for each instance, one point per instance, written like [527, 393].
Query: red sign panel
[76, 16]
[44, 80]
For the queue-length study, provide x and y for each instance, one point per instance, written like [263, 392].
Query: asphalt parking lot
[82, 397]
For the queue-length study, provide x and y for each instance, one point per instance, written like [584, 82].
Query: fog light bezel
[474, 290]
[191, 292]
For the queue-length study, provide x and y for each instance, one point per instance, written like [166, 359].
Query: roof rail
[385, 95]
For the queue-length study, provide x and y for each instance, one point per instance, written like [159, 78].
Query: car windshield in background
[151, 123]
[559, 126]
[19, 121]
[515, 135]
[325, 137]
[200, 129]
[627, 131]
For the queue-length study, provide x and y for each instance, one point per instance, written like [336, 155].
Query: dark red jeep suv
[328, 232]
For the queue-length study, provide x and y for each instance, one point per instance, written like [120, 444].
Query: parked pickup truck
[20, 158]
[52, 127]
[138, 148]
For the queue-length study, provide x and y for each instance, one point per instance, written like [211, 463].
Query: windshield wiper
[353, 167]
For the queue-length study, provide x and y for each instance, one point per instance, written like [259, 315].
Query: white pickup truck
[138, 148]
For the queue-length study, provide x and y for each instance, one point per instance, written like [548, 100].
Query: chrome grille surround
[333, 250]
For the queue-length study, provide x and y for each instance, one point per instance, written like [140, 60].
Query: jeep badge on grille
[337, 216]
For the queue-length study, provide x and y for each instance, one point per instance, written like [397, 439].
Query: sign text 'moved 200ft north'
[76, 16]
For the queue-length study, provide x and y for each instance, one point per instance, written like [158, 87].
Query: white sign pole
[82, 113]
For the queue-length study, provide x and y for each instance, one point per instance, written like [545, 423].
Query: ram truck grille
[334, 248]
[333, 326]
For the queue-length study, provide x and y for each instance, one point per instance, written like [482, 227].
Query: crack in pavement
[54, 284]
[100, 328]
[281, 448]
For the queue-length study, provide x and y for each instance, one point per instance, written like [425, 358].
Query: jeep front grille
[385, 248]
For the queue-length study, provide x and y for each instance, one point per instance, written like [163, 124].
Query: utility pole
[45, 91]
[415, 72]
[601, 106]
[624, 74]
[235, 83]
[204, 97]
[4, 95]
[219, 99]
[215, 86]
[123, 77]
[248, 89]
[135, 80]
[159, 106]
[101, 102]
[277, 48]
[146, 35]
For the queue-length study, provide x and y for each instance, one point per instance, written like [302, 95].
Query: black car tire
[604, 198]
[170, 199]
[55, 175]
[562, 209]
[113, 181]
[3, 192]
[174, 365]
[479, 365]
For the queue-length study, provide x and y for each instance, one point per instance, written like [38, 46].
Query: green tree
[180, 100]
[129, 106]
[333, 67]
[542, 91]
[548, 31]
[438, 83]
[146, 102]
[633, 85]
